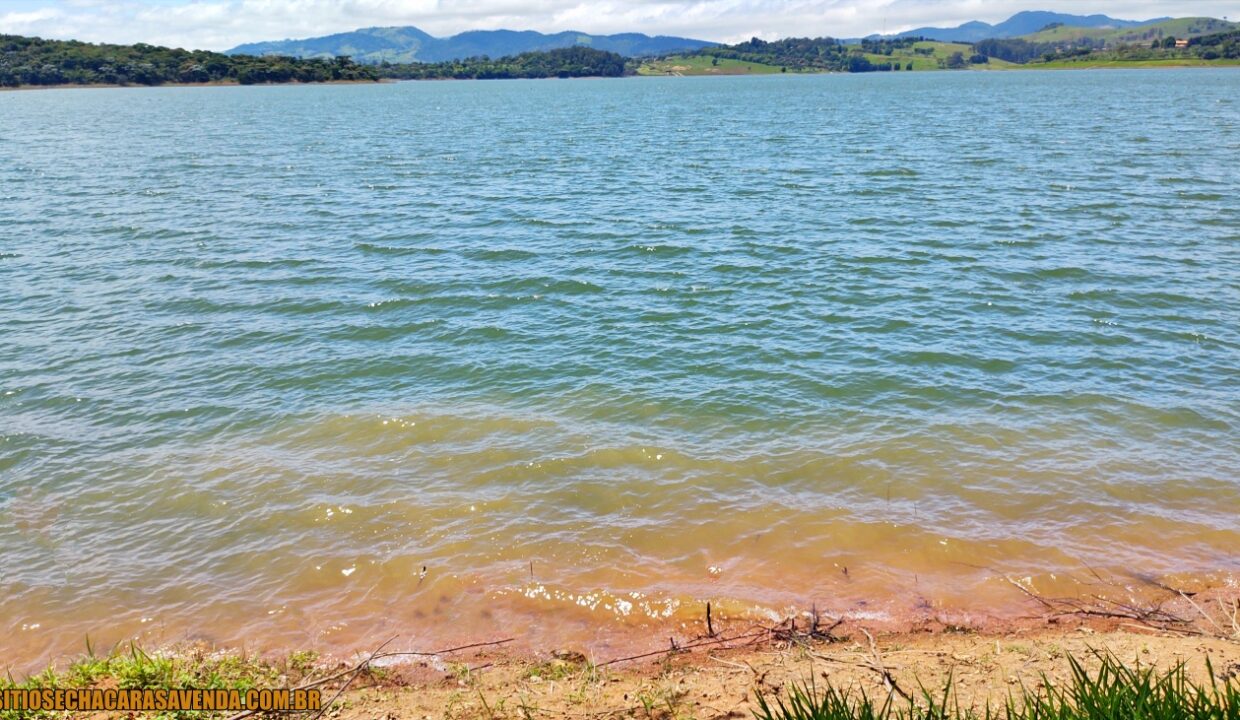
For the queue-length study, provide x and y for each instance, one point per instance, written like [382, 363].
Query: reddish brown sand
[721, 675]
[724, 683]
[714, 679]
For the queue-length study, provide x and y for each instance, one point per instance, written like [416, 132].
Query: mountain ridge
[403, 44]
[1022, 23]
[409, 44]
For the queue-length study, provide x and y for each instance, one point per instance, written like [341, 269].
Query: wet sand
[712, 676]
[719, 668]
[725, 683]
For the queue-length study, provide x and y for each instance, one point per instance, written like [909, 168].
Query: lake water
[593, 352]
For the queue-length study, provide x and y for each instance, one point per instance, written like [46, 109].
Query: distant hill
[1022, 23]
[409, 44]
[1155, 30]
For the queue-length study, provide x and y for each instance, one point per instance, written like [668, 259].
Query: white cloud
[221, 24]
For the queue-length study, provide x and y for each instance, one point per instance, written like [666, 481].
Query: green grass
[921, 61]
[1113, 692]
[1087, 63]
[132, 667]
[1067, 33]
[940, 51]
[702, 65]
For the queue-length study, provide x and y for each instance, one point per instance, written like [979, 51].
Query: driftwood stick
[353, 671]
[362, 666]
[690, 646]
[878, 666]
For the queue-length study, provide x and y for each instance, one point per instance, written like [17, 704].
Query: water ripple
[265, 353]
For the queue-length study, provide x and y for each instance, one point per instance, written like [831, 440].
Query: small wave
[1091, 207]
[1094, 294]
[376, 249]
[546, 286]
[662, 249]
[380, 333]
[1184, 180]
[1074, 273]
[292, 306]
[254, 264]
[391, 303]
[931, 357]
[259, 338]
[504, 255]
[542, 222]
[884, 191]
[891, 172]
[887, 326]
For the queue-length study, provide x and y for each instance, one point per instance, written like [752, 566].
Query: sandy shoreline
[723, 677]
[1182, 604]
[719, 670]
[725, 682]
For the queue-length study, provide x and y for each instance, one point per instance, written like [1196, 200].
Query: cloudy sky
[221, 24]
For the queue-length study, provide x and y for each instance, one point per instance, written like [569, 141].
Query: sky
[222, 24]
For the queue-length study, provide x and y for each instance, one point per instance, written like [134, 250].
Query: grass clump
[133, 667]
[1114, 692]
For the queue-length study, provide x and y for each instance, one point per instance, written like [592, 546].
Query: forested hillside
[816, 54]
[34, 61]
[1219, 46]
[562, 63]
[409, 44]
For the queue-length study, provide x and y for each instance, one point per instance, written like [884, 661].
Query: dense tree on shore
[35, 61]
[1018, 50]
[562, 63]
[814, 53]
[1012, 49]
[1221, 45]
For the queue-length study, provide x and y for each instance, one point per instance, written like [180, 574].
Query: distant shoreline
[1103, 65]
[1136, 65]
[220, 84]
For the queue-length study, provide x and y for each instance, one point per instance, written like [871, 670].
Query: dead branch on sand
[354, 671]
[1151, 614]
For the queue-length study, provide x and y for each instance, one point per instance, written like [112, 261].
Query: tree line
[816, 54]
[1220, 45]
[1225, 45]
[570, 62]
[35, 61]
[28, 61]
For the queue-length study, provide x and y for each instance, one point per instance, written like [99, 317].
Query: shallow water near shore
[314, 366]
